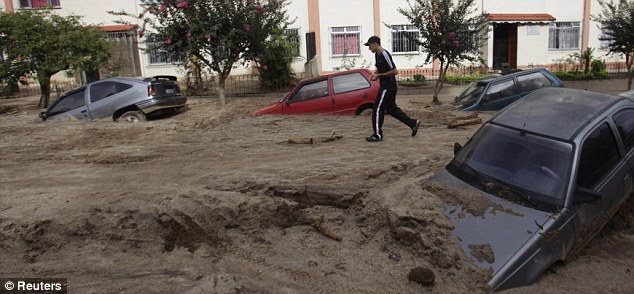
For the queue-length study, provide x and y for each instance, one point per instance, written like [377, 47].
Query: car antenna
[526, 119]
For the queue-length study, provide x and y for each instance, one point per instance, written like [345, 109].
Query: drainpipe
[377, 17]
[586, 25]
[9, 6]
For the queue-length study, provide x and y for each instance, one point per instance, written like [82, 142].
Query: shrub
[419, 78]
[579, 75]
[598, 66]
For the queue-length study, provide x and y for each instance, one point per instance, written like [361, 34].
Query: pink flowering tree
[217, 35]
[450, 31]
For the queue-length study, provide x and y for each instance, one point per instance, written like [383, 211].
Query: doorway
[505, 46]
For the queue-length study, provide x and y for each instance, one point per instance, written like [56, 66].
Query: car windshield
[471, 94]
[536, 167]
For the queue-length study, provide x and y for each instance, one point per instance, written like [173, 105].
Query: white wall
[96, 12]
[391, 16]
[335, 13]
[531, 48]
[298, 11]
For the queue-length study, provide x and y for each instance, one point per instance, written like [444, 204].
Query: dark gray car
[551, 169]
[123, 99]
[496, 92]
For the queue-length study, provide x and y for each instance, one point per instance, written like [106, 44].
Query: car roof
[555, 112]
[335, 73]
[491, 78]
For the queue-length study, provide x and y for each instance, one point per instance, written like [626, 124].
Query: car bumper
[154, 104]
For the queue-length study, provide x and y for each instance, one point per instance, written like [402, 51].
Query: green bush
[579, 75]
[463, 79]
[598, 66]
[419, 78]
[274, 64]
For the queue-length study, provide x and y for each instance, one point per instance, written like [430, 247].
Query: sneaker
[374, 138]
[415, 128]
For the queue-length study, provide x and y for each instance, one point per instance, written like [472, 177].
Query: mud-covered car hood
[490, 229]
[271, 109]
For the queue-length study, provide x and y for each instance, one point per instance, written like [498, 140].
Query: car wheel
[366, 112]
[132, 117]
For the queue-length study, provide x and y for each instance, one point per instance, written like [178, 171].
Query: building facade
[331, 33]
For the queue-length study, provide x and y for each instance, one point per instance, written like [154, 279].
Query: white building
[523, 33]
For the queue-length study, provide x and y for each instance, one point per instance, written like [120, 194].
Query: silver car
[539, 180]
[123, 99]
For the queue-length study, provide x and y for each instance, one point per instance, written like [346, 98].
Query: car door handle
[84, 111]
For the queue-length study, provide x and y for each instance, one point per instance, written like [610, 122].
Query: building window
[404, 39]
[345, 41]
[563, 35]
[39, 3]
[604, 44]
[157, 55]
[292, 36]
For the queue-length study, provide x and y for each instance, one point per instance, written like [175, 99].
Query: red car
[342, 93]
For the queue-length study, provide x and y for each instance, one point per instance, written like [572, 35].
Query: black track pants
[386, 103]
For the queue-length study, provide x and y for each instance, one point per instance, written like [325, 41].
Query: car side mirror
[456, 148]
[43, 115]
[583, 195]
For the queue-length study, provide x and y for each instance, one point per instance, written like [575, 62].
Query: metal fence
[249, 85]
[237, 86]
[32, 88]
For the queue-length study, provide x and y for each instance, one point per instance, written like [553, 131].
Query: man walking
[386, 99]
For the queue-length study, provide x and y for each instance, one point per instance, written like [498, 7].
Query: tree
[40, 43]
[218, 33]
[450, 33]
[617, 22]
[274, 63]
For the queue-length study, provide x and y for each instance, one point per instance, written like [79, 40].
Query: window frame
[153, 52]
[560, 31]
[408, 28]
[289, 34]
[346, 30]
[604, 45]
[50, 3]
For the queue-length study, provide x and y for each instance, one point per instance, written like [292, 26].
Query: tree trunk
[440, 82]
[221, 91]
[45, 89]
